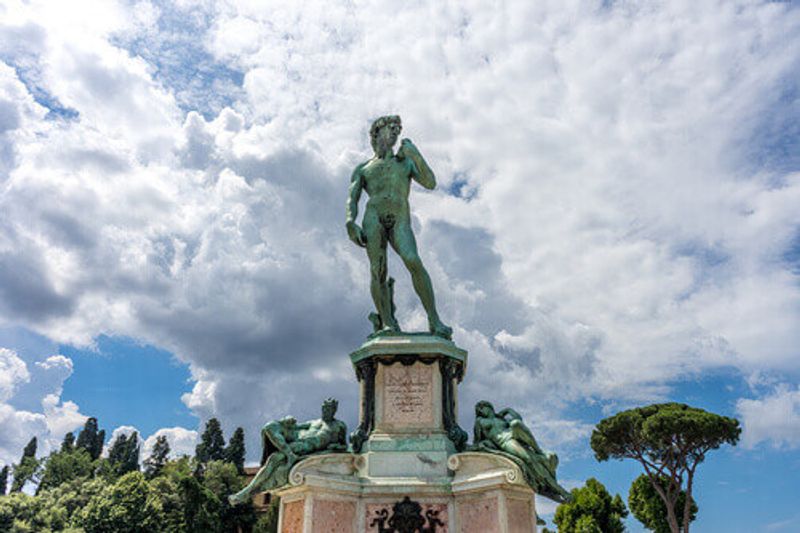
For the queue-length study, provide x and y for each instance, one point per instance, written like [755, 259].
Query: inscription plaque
[408, 394]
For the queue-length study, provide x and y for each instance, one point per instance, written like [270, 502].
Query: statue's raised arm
[386, 178]
[420, 170]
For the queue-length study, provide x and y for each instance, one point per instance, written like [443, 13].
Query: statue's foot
[553, 460]
[387, 330]
[441, 330]
[236, 499]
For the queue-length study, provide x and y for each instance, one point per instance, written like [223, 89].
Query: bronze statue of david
[386, 178]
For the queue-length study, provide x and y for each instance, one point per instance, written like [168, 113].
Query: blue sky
[616, 221]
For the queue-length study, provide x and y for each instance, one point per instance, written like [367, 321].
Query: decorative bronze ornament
[406, 518]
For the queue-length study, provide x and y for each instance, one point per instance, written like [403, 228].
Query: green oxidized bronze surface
[386, 178]
[285, 442]
[504, 433]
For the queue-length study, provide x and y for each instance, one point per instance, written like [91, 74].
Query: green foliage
[591, 510]
[158, 457]
[77, 492]
[222, 479]
[657, 430]
[648, 507]
[63, 466]
[30, 448]
[28, 467]
[90, 439]
[26, 470]
[202, 509]
[669, 440]
[3, 480]
[268, 522]
[123, 455]
[235, 451]
[51, 510]
[59, 504]
[129, 505]
[212, 443]
[191, 503]
[68, 444]
[18, 512]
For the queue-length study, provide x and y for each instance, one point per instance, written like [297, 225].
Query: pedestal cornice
[419, 344]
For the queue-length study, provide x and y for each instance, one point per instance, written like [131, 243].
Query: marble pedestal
[408, 465]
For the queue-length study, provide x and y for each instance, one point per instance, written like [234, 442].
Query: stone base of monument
[483, 493]
[407, 474]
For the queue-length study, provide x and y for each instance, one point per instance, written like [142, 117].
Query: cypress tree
[235, 451]
[3, 480]
[117, 452]
[212, 443]
[30, 448]
[27, 467]
[132, 451]
[87, 436]
[158, 457]
[99, 441]
[124, 454]
[68, 444]
[90, 439]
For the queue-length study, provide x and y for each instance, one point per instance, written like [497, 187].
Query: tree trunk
[665, 497]
[687, 505]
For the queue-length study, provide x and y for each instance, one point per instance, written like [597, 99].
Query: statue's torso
[494, 427]
[321, 432]
[387, 182]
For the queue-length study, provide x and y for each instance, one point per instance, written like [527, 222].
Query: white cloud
[12, 372]
[61, 417]
[773, 418]
[18, 428]
[181, 441]
[41, 388]
[127, 431]
[627, 224]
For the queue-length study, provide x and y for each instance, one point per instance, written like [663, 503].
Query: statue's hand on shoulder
[407, 148]
[356, 234]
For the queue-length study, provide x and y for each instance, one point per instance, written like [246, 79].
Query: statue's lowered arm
[354, 231]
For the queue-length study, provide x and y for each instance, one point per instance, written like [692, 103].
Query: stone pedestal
[408, 465]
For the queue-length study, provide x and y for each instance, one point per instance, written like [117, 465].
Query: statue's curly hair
[484, 403]
[377, 124]
[331, 401]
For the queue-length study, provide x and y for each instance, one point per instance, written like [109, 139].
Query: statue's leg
[376, 252]
[523, 434]
[515, 448]
[263, 475]
[404, 243]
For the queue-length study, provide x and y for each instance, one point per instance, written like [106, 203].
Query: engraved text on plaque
[408, 394]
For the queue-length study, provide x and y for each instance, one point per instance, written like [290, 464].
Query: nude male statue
[285, 442]
[387, 180]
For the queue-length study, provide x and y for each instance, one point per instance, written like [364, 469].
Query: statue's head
[484, 409]
[329, 408]
[384, 131]
[288, 423]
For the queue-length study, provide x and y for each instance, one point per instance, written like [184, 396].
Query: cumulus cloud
[127, 431]
[614, 212]
[47, 417]
[12, 372]
[773, 419]
[181, 441]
